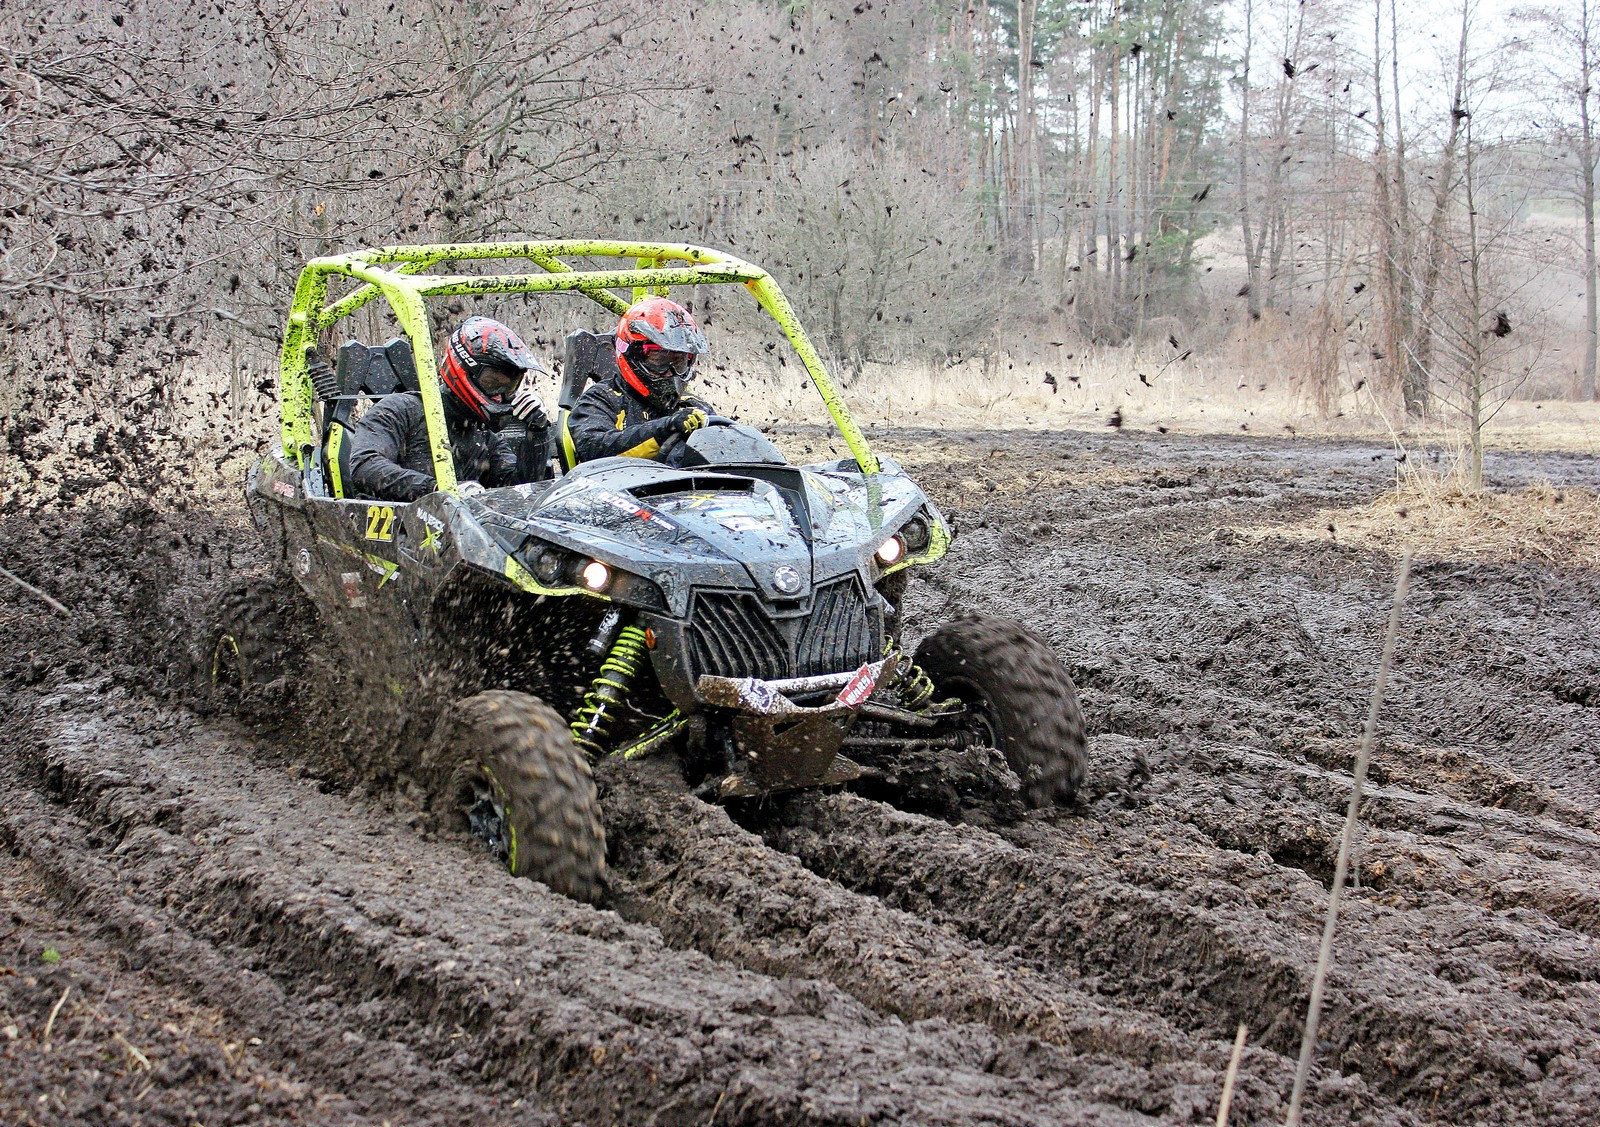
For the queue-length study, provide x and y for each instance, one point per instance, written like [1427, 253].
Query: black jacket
[390, 459]
[609, 420]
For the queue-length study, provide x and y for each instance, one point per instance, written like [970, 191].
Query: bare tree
[1564, 42]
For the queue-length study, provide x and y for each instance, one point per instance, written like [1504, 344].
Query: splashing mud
[260, 923]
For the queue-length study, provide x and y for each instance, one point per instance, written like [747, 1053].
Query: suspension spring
[916, 687]
[609, 691]
[916, 692]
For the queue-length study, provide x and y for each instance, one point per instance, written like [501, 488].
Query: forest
[1341, 205]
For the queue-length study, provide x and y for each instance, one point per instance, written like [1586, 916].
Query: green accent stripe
[569, 451]
[335, 444]
[389, 568]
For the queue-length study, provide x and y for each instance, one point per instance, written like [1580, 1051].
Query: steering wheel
[672, 448]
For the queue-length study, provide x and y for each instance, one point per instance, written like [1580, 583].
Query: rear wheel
[1019, 698]
[513, 778]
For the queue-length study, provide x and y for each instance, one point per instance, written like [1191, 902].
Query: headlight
[549, 565]
[916, 534]
[890, 551]
[595, 575]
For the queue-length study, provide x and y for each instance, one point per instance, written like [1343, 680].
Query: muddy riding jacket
[390, 459]
[609, 420]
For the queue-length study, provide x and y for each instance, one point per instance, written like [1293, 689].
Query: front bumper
[784, 745]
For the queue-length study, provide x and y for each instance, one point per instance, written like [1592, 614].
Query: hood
[777, 529]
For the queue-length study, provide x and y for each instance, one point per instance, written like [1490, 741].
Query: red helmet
[480, 343]
[657, 343]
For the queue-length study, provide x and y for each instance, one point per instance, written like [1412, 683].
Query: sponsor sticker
[617, 501]
[283, 489]
[352, 588]
[758, 694]
[859, 688]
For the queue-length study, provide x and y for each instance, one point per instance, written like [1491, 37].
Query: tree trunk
[1388, 274]
[1114, 187]
[1475, 335]
[1420, 356]
[1591, 324]
[1414, 390]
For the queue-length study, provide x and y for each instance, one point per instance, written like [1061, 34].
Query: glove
[526, 406]
[688, 420]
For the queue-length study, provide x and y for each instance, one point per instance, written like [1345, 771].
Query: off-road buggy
[718, 604]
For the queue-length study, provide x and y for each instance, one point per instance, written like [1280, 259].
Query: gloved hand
[526, 406]
[688, 420]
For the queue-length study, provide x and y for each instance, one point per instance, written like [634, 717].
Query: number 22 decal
[380, 522]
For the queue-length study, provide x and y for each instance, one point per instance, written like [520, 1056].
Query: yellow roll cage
[395, 273]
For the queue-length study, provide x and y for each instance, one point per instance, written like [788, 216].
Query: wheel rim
[486, 817]
[227, 666]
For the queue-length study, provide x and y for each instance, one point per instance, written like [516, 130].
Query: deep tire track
[487, 976]
[710, 885]
[1170, 933]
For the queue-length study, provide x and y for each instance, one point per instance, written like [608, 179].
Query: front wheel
[514, 779]
[1019, 697]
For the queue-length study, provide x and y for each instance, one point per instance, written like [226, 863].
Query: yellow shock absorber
[610, 690]
[916, 687]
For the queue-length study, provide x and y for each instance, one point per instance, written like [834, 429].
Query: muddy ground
[204, 922]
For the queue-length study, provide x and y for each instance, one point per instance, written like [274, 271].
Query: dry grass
[1440, 518]
[1088, 390]
[1247, 383]
[1233, 392]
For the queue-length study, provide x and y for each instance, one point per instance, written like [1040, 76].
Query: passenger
[484, 362]
[637, 410]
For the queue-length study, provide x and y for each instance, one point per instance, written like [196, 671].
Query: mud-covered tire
[247, 645]
[1015, 686]
[510, 774]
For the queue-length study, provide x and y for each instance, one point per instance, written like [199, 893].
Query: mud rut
[323, 957]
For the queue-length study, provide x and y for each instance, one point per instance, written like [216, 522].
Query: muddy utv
[718, 603]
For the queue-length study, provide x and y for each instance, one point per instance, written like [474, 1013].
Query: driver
[484, 362]
[637, 410]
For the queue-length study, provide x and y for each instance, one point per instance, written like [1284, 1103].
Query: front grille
[734, 635]
[836, 635]
[731, 636]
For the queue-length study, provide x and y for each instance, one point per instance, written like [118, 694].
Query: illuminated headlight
[595, 575]
[890, 551]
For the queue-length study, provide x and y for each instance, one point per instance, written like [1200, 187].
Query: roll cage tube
[395, 274]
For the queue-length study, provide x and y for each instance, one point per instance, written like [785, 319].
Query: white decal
[759, 695]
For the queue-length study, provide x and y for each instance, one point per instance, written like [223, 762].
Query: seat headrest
[587, 356]
[376, 370]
